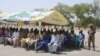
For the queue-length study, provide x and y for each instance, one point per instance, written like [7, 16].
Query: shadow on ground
[64, 52]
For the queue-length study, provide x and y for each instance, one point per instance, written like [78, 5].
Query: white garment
[1, 40]
[10, 40]
[54, 43]
[54, 39]
[52, 48]
[61, 38]
[15, 36]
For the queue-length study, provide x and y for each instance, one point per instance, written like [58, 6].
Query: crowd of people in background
[50, 40]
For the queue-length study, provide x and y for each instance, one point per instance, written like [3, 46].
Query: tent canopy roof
[51, 17]
[18, 16]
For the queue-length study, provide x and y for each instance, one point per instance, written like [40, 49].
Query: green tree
[64, 10]
[79, 10]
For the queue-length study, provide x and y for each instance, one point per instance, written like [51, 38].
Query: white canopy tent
[18, 16]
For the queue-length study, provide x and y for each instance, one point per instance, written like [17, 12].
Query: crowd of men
[50, 40]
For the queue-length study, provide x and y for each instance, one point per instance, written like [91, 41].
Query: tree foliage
[79, 10]
[65, 10]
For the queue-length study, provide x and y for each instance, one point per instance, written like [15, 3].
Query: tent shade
[18, 16]
[52, 17]
[20, 23]
[2, 14]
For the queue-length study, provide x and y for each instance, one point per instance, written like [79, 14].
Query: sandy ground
[10, 51]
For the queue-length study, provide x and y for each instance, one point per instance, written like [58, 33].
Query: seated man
[23, 35]
[42, 45]
[10, 32]
[65, 40]
[52, 46]
[76, 41]
[14, 38]
[61, 39]
[73, 40]
[7, 36]
[26, 39]
[31, 39]
[82, 38]
[2, 35]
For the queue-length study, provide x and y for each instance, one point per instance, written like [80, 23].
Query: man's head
[91, 26]
[80, 31]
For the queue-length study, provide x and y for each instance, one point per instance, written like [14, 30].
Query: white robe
[14, 37]
[54, 43]
[1, 40]
[61, 38]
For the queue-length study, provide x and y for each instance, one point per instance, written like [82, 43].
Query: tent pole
[40, 26]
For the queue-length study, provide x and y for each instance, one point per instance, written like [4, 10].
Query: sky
[28, 5]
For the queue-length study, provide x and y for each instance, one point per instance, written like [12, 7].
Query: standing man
[91, 34]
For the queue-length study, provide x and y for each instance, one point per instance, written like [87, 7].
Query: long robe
[52, 46]
[43, 43]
